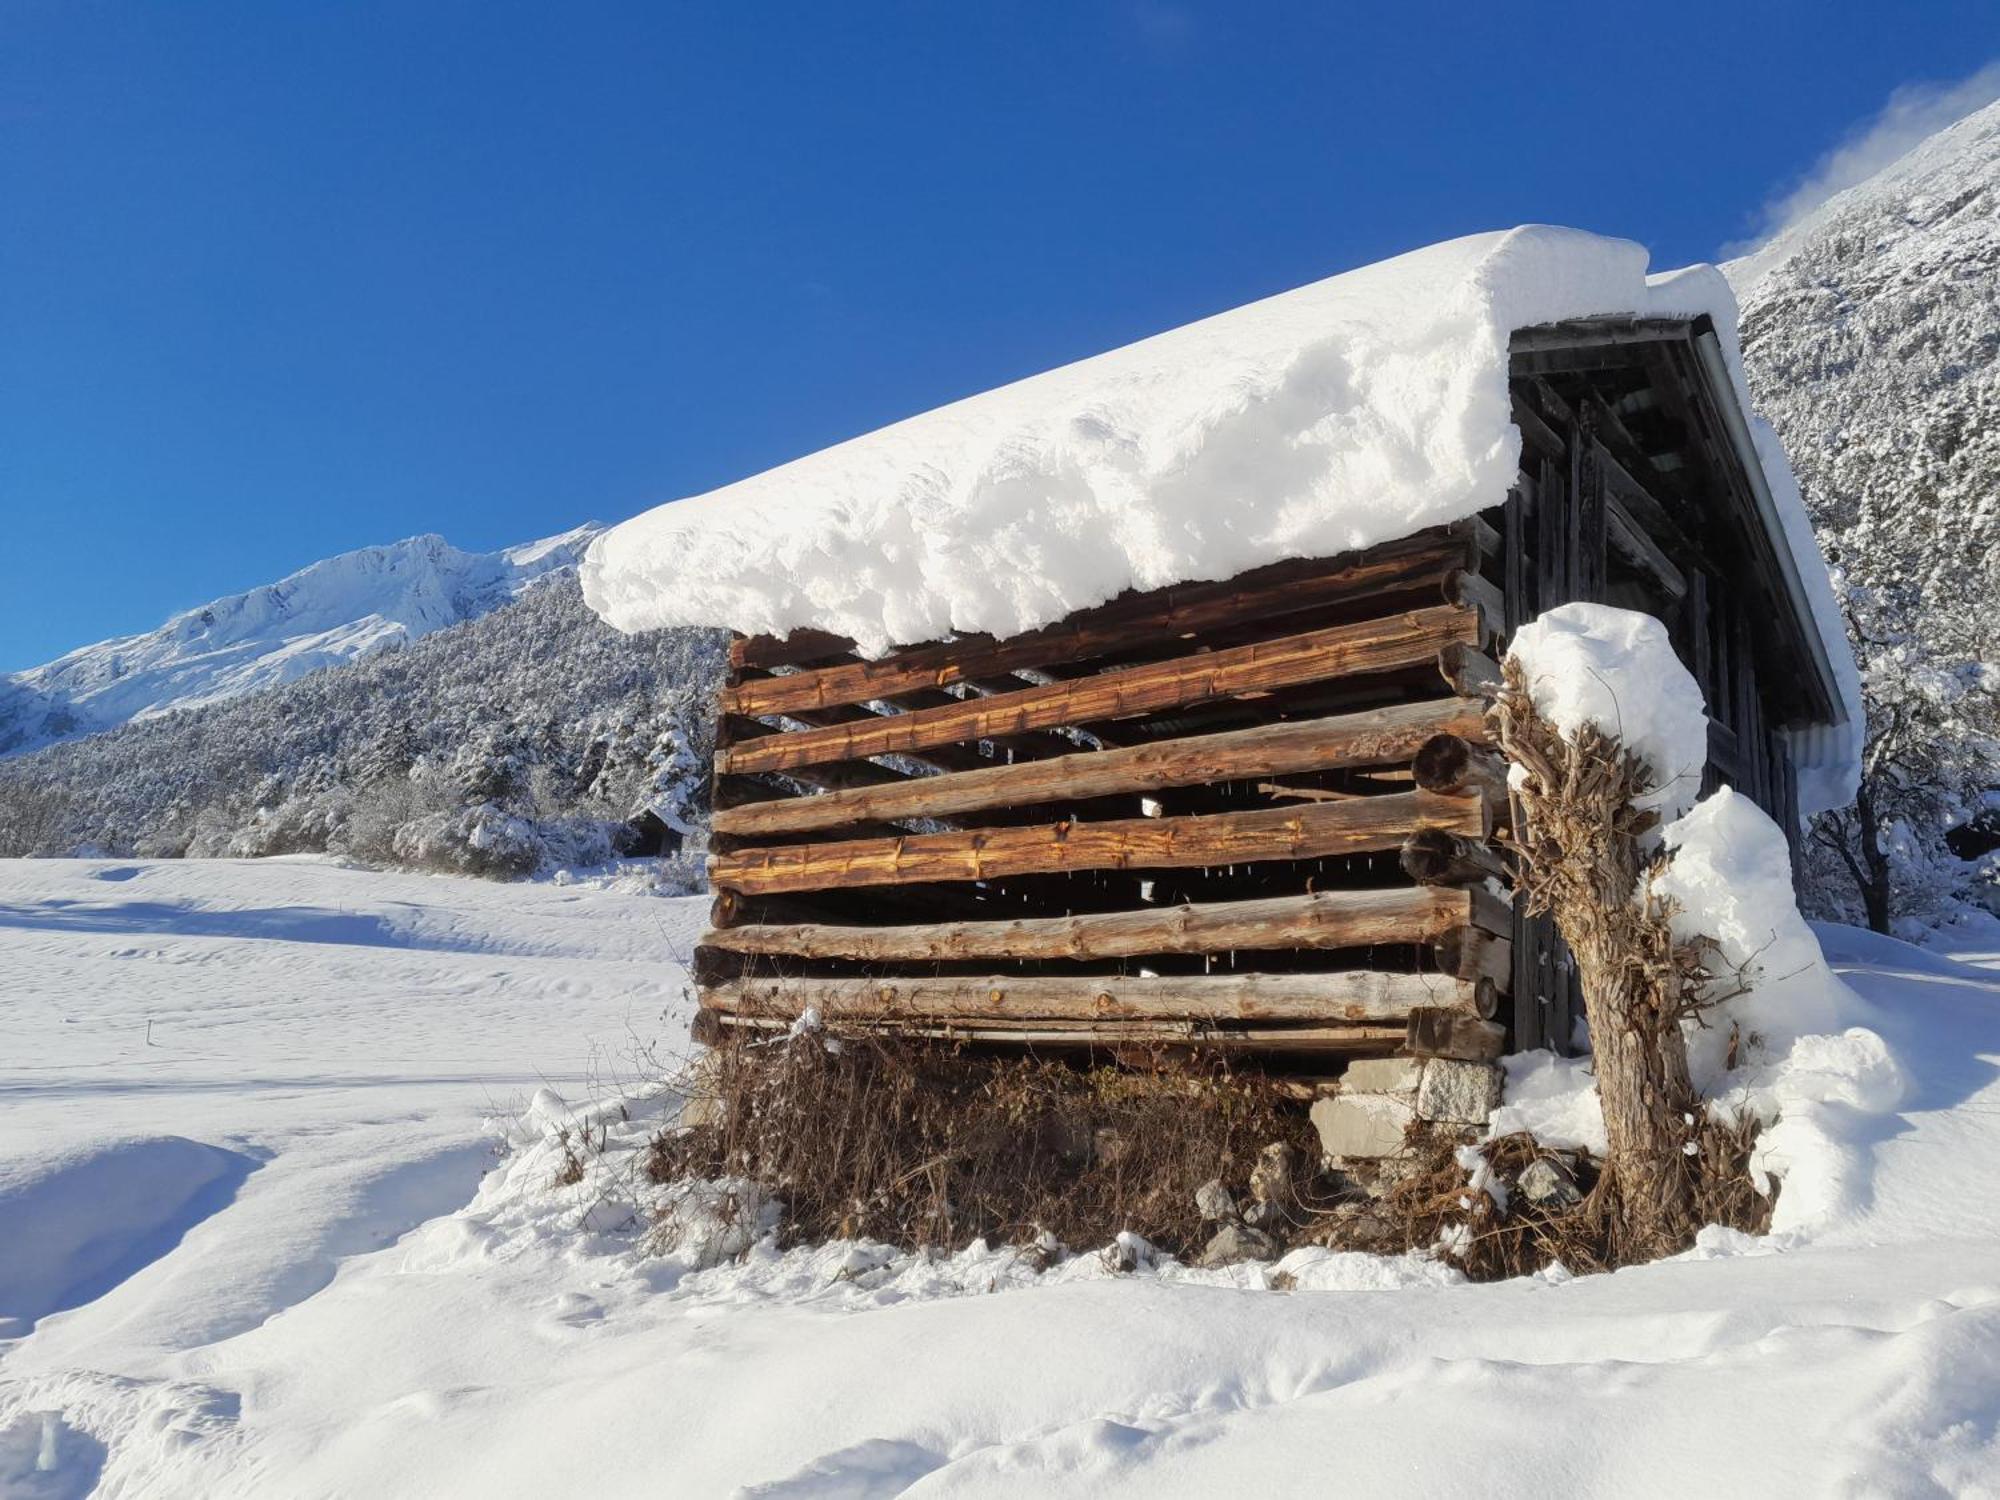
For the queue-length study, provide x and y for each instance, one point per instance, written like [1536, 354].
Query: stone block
[1548, 1182]
[1463, 1093]
[1213, 1202]
[1234, 1242]
[1381, 1075]
[1361, 1125]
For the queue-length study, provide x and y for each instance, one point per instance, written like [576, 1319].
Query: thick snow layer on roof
[1349, 412]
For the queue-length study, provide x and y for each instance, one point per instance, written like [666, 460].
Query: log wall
[1186, 819]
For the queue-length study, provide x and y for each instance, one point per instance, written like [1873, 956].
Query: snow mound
[86, 1220]
[1615, 670]
[492, 1350]
[1730, 878]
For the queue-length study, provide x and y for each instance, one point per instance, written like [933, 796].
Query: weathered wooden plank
[1110, 1036]
[1476, 954]
[1535, 431]
[1304, 832]
[1442, 1032]
[1633, 542]
[1376, 737]
[1324, 919]
[1554, 505]
[1590, 537]
[1368, 646]
[1350, 995]
[1430, 561]
[1474, 592]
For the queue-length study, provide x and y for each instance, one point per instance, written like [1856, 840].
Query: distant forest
[535, 736]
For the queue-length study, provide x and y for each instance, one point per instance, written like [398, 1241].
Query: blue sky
[278, 280]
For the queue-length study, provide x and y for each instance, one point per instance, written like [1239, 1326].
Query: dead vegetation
[923, 1146]
[928, 1147]
[1500, 1230]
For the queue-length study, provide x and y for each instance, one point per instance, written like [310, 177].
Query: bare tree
[1582, 857]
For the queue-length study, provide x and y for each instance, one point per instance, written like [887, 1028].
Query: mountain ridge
[336, 610]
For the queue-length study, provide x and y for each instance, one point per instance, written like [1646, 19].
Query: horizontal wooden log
[1325, 919]
[1441, 1032]
[1449, 763]
[1438, 856]
[1368, 646]
[1470, 672]
[1376, 737]
[1350, 995]
[712, 1026]
[1173, 613]
[1307, 832]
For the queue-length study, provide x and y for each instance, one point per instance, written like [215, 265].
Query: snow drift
[534, 1327]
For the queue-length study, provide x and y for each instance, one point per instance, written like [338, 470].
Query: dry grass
[1435, 1203]
[924, 1146]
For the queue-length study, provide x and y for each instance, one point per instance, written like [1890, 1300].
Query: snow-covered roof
[1349, 412]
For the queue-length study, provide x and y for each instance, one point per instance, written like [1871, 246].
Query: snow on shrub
[1616, 669]
[1730, 877]
[1780, 1039]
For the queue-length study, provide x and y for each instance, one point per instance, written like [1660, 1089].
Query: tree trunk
[1578, 837]
[1875, 889]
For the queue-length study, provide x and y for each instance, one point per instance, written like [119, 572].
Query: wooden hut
[1257, 812]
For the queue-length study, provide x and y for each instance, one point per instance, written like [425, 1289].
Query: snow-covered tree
[1868, 337]
[530, 736]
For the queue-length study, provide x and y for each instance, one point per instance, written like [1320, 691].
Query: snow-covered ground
[259, 1258]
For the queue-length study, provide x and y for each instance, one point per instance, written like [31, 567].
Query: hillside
[337, 610]
[1871, 344]
[531, 735]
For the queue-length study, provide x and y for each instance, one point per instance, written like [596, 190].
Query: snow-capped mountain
[1871, 337]
[331, 612]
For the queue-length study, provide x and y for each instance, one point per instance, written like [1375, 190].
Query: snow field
[369, 1316]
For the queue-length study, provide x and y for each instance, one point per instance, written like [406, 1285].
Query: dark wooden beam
[1367, 646]
[1376, 737]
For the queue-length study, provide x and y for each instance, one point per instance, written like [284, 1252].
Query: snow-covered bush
[1724, 869]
